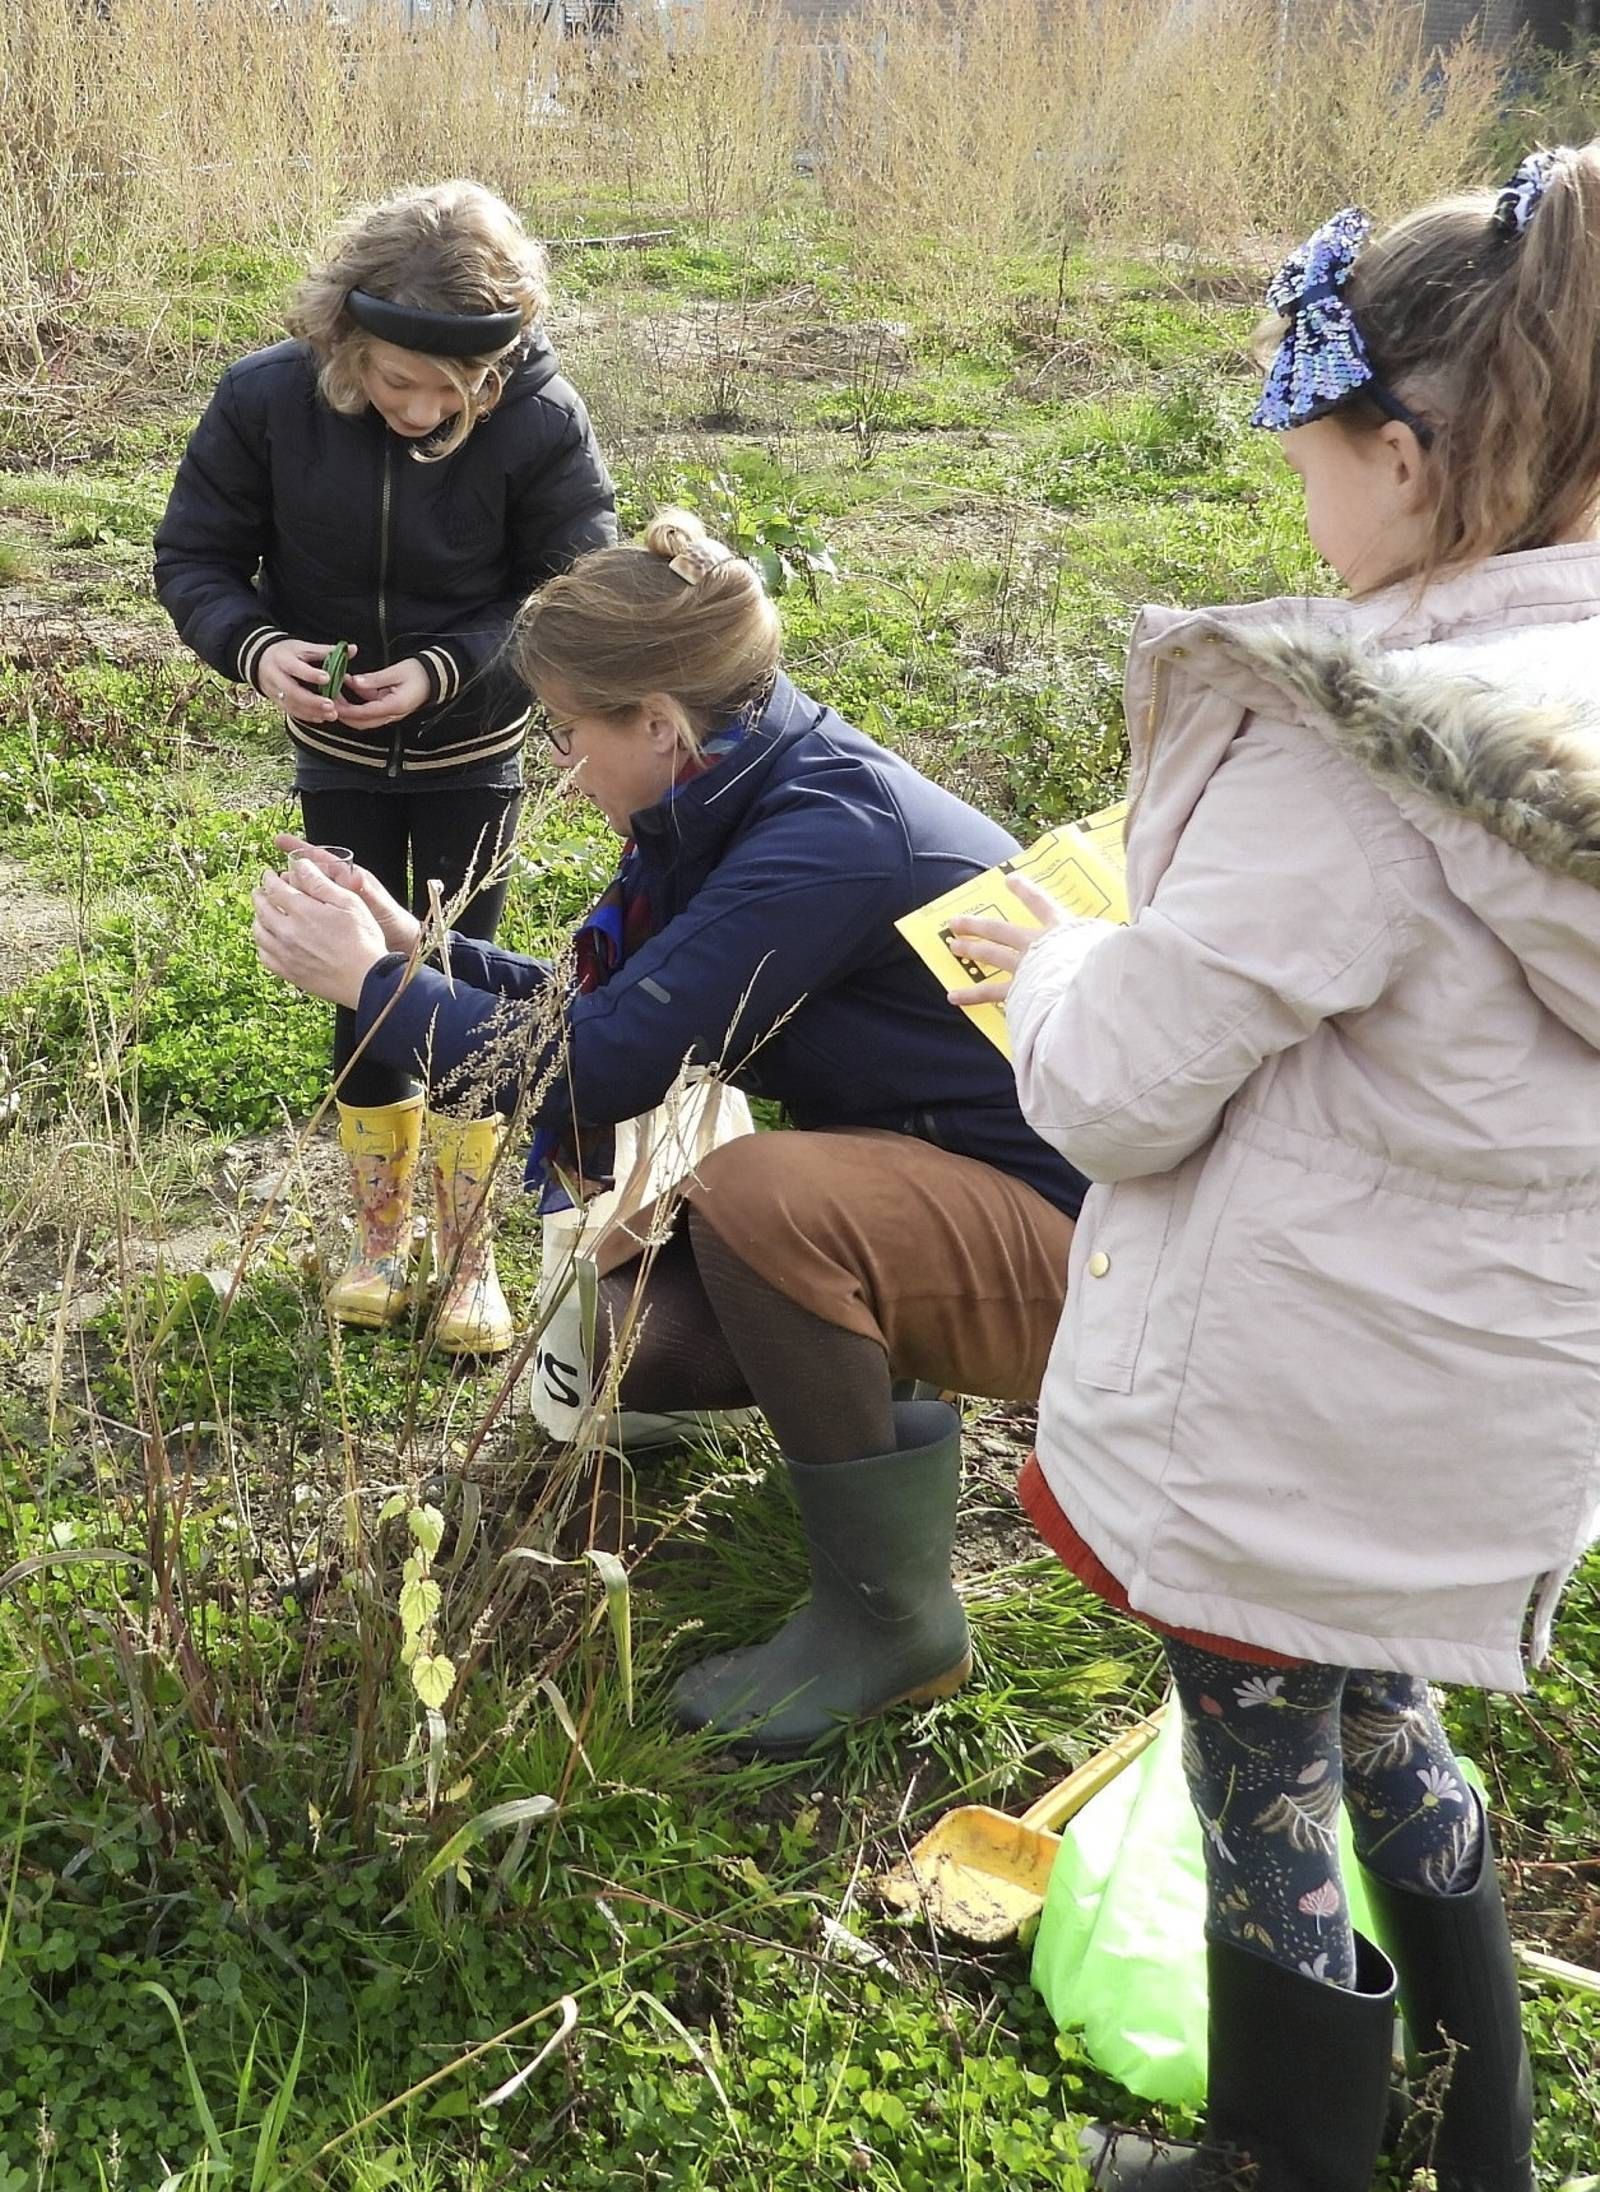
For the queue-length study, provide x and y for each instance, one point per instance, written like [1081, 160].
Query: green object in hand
[333, 669]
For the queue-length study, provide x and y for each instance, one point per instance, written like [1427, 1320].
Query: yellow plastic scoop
[981, 1873]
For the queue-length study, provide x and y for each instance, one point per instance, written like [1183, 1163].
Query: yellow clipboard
[1080, 865]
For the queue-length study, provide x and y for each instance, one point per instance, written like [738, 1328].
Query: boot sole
[369, 1320]
[925, 1693]
[929, 1693]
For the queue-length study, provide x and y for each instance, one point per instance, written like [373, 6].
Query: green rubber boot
[883, 1625]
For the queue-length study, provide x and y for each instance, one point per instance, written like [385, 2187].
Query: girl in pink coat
[1325, 1404]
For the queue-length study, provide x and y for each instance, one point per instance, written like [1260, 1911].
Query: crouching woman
[911, 1226]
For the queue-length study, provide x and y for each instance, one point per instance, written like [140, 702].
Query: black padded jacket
[289, 520]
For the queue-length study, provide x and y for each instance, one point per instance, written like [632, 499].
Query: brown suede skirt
[959, 1270]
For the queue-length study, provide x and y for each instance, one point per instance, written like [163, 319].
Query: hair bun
[673, 533]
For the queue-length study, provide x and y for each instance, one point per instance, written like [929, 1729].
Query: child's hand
[1003, 944]
[291, 672]
[311, 933]
[400, 927]
[384, 696]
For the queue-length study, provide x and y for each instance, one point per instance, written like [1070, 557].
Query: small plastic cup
[336, 852]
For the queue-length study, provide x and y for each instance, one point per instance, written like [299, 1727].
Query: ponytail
[1490, 329]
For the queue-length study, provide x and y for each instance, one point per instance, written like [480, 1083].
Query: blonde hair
[441, 247]
[1494, 341]
[677, 614]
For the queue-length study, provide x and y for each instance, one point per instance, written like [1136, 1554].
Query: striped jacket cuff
[444, 674]
[255, 646]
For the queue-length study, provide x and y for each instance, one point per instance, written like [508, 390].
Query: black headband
[435, 334]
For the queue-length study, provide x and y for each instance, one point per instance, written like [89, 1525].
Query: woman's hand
[384, 696]
[1003, 945]
[316, 935]
[292, 672]
[400, 927]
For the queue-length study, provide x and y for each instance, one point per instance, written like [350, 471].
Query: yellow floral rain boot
[381, 1143]
[472, 1317]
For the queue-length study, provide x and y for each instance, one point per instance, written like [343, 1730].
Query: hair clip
[703, 556]
[1519, 201]
[1322, 361]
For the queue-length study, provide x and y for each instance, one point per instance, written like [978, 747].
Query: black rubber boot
[883, 1625]
[1299, 2084]
[1458, 1989]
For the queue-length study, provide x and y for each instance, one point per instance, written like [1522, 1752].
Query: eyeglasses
[559, 734]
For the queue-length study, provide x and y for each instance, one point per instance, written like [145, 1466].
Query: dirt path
[36, 925]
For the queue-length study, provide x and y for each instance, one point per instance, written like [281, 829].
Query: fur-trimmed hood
[1504, 730]
[1477, 712]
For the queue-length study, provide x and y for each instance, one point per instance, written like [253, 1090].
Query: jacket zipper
[1152, 720]
[393, 768]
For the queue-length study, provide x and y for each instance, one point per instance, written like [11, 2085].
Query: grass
[216, 1777]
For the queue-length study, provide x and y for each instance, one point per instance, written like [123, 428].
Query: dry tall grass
[1205, 123]
[137, 133]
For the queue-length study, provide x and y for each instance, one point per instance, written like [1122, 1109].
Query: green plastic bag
[1120, 1951]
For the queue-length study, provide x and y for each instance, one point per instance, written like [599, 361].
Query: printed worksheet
[1079, 864]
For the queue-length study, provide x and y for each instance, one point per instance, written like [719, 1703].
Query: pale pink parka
[1328, 1379]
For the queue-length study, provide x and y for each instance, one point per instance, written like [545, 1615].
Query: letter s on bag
[559, 1379]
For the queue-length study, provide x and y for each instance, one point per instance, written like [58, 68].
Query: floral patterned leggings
[1271, 1755]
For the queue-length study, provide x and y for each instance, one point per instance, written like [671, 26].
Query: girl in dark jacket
[395, 480]
[912, 1226]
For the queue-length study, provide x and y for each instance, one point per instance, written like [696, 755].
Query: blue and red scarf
[620, 921]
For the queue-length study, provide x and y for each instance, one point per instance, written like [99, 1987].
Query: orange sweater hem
[1063, 1540]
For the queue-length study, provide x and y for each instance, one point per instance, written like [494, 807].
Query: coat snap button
[1099, 1264]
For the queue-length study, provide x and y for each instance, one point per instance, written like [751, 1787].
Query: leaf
[419, 1604]
[567, 2009]
[36, 1562]
[233, 1819]
[438, 1753]
[511, 1814]
[275, 2120]
[208, 2122]
[395, 1504]
[433, 1678]
[565, 1721]
[669, 2017]
[426, 1525]
[619, 1606]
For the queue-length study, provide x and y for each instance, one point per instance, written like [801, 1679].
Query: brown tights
[709, 1333]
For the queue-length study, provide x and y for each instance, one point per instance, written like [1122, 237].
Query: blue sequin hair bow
[1519, 201]
[1322, 363]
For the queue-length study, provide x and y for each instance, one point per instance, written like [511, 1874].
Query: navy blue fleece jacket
[775, 882]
